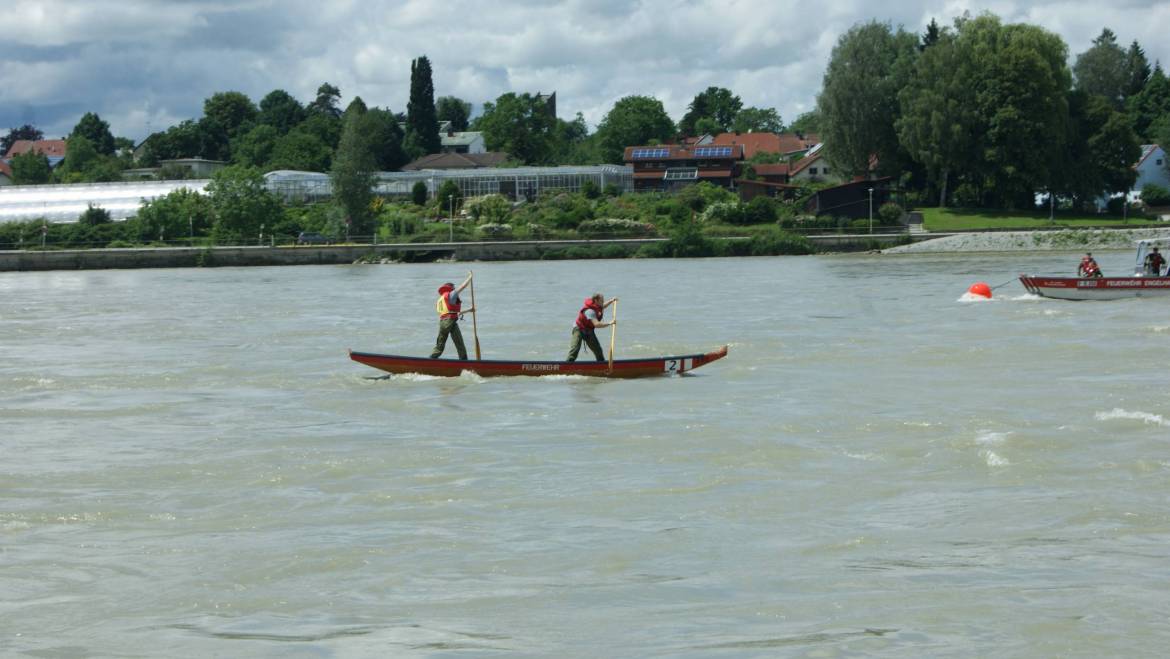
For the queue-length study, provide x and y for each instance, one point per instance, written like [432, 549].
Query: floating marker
[981, 289]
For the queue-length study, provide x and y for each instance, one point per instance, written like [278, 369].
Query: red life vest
[584, 324]
[444, 307]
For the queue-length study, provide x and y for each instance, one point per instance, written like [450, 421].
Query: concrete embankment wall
[189, 257]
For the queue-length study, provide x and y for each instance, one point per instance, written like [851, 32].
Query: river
[193, 467]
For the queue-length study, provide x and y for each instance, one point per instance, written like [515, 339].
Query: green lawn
[974, 219]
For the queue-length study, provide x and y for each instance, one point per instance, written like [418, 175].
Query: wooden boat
[1141, 284]
[622, 368]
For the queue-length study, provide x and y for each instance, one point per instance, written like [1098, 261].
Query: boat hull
[622, 368]
[1099, 288]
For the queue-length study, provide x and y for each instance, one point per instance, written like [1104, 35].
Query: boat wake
[1125, 415]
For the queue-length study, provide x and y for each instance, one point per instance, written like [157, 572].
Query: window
[1159, 162]
[812, 171]
[824, 170]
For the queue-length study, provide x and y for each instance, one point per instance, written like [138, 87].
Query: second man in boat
[589, 318]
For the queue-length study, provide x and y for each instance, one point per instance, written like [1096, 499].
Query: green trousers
[449, 327]
[590, 340]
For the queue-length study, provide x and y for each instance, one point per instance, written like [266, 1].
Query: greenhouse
[515, 183]
[64, 203]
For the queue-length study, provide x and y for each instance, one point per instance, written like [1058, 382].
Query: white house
[1152, 168]
[463, 142]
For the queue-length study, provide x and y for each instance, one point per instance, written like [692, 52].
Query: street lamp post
[871, 210]
[451, 205]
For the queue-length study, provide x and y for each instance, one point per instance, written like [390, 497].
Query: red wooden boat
[622, 368]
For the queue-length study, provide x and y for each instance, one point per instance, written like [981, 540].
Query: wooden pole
[612, 335]
[474, 316]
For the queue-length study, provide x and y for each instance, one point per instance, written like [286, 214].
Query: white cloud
[142, 63]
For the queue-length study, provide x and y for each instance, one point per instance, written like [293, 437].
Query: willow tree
[988, 104]
[858, 103]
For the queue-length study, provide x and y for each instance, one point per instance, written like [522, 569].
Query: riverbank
[518, 250]
[1031, 241]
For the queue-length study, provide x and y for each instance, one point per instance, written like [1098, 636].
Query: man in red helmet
[589, 319]
[450, 310]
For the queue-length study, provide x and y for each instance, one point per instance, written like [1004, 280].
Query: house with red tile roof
[671, 166]
[753, 143]
[54, 150]
[457, 161]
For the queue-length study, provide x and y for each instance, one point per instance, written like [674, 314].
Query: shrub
[890, 213]
[1155, 195]
[725, 212]
[94, 215]
[590, 189]
[419, 193]
[492, 209]
[495, 231]
[615, 227]
[760, 210]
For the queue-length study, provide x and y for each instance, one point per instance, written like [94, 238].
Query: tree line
[282, 133]
[987, 114]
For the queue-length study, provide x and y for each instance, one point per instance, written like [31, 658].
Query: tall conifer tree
[422, 123]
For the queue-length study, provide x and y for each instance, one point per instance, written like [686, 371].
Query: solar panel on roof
[713, 151]
[641, 154]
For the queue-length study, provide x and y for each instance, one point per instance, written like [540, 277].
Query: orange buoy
[981, 289]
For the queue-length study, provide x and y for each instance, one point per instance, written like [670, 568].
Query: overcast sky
[144, 65]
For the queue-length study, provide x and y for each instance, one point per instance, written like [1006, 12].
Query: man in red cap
[589, 319]
[449, 308]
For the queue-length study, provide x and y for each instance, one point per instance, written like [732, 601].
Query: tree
[931, 36]
[96, 131]
[242, 204]
[254, 148]
[225, 116]
[80, 155]
[1139, 69]
[1099, 151]
[757, 120]
[326, 102]
[521, 125]
[421, 119]
[180, 213]
[301, 150]
[632, 121]
[1104, 69]
[937, 112]
[31, 168]
[281, 111]
[352, 173]
[455, 110]
[990, 105]
[324, 127]
[858, 103]
[449, 196]
[809, 122]
[25, 132]
[184, 140]
[714, 103]
[384, 135]
[1150, 104]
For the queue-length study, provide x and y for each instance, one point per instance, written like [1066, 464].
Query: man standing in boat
[449, 308]
[1154, 263]
[588, 320]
